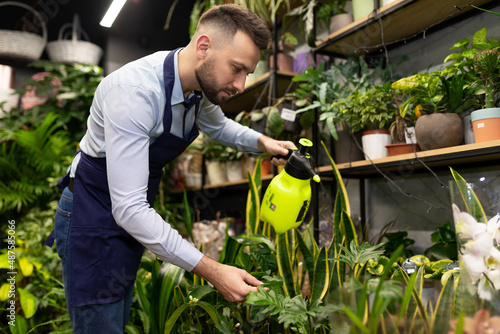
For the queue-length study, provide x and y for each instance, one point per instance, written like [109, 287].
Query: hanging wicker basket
[74, 50]
[21, 44]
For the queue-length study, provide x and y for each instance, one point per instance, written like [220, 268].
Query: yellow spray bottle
[287, 197]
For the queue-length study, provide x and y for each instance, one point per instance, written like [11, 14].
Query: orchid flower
[479, 252]
[465, 225]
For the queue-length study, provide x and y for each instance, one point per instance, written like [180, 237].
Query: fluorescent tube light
[113, 11]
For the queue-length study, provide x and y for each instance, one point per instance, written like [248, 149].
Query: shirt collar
[177, 93]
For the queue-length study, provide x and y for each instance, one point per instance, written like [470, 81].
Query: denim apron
[104, 257]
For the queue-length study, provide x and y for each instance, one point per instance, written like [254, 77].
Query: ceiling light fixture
[113, 11]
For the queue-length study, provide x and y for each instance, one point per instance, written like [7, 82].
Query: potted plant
[486, 121]
[216, 157]
[431, 96]
[478, 62]
[402, 130]
[234, 167]
[372, 112]
[324, 10]
[321, 90]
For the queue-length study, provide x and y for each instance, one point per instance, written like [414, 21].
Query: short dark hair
[230, 18]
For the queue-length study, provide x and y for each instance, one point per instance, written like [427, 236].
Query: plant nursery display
[327, 269]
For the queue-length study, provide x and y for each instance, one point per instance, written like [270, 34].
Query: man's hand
[274, 147]
[230, 281]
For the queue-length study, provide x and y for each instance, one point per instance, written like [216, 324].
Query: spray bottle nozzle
[304, 145]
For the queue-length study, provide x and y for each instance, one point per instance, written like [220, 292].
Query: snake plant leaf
[340, 183]
[410, 284]
[284, 257]
[253, 200]
[309, 259]
[349, 229]
[320, 279]
[444, 307]
[188, 218]
[469, 197]
[413, 312]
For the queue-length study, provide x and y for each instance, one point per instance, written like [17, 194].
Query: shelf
[401, 20]
[246, 100]
[243, 183]
[479, 154]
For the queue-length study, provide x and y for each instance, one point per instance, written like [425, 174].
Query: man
[143, 116]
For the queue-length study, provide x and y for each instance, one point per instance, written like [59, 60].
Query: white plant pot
[216, 172]
[374, 144]
[11, 100]
[234, 170]
[339, 21]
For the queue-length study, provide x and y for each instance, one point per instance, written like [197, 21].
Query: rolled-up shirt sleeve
[127, 140]
[217, 126]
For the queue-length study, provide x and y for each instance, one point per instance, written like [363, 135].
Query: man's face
[223, 72]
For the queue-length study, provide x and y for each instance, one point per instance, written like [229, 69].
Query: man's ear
[203, 44]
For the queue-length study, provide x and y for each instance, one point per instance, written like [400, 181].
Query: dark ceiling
[140, 21]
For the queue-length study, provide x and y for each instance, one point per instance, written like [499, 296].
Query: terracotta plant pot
[285, 62]
[402, 148]
[265, 167]
[486, 124]
[439, 130]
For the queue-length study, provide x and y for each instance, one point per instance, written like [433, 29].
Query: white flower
[475, 266]
[489, 282]
[480, 245]
[493, 228]
[465, 225]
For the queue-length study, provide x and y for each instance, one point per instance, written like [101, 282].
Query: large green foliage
[31, 163]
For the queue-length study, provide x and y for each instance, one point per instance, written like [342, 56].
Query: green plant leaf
[444, 307]
[284, 257]
[340, 184]
[188, 219]
[29, 302]
[356, 320]
[21, 326]
[165, 278]
[479, 37]
[320, 279]
[230, 250]
[253, 199]
[469, 197]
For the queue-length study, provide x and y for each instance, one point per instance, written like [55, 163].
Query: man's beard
[206, 79]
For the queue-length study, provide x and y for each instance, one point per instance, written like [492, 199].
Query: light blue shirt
[125, 118]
